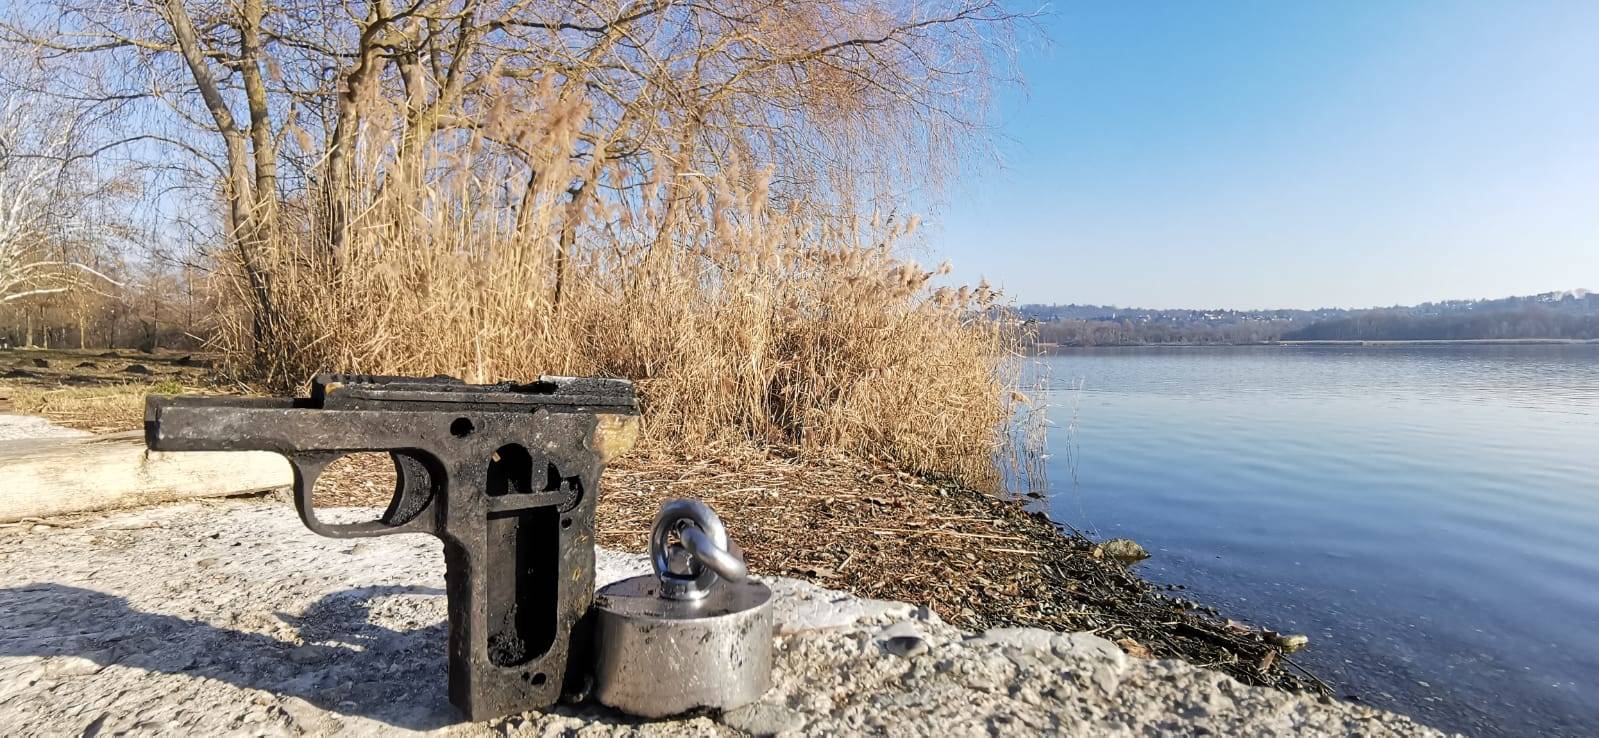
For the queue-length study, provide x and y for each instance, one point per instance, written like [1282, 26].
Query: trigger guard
[406, 505]
[413, 489]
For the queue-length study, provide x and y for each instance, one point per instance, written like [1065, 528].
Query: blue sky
[1291, 154]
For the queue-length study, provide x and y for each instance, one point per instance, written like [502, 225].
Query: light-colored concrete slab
[226, 617]
[47, 470]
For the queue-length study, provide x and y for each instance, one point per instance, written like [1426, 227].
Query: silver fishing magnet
[695, 634]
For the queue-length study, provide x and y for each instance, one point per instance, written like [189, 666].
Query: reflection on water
[1428, 515]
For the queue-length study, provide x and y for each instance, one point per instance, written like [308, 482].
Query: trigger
[413, 489]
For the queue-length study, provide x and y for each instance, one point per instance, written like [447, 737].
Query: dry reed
[743, 320]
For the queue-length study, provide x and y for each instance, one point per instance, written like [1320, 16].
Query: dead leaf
[1135, 649]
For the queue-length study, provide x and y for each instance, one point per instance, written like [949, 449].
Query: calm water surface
[1428, 515]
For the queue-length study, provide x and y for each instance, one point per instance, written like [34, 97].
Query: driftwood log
[52, 476]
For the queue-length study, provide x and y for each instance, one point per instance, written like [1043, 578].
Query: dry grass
[743, 324]
[99, 409]
[96, 390]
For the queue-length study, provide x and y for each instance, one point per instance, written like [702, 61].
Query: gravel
[227, 618]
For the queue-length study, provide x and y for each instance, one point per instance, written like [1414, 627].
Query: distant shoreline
[1047, 347]
[1442, 342]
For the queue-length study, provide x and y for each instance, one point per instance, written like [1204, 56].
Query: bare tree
[605, 121]
[847, 98]
[47, 236]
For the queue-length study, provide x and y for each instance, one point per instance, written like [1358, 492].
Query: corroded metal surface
[506, 475]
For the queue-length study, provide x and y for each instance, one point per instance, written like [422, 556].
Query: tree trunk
[261, 143]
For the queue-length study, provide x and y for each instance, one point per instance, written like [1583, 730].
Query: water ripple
[1431, 514]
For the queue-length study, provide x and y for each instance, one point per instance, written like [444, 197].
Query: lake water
[1429, 516]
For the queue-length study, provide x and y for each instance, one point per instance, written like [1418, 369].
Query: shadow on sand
[350, 666]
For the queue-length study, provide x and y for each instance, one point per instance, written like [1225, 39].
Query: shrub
[748, 325]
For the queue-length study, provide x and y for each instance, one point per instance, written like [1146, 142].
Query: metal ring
[725, 563]
[689, 519]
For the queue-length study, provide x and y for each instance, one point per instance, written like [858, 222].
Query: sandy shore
[228, 618]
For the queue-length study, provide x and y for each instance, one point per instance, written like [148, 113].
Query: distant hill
[1556, 315]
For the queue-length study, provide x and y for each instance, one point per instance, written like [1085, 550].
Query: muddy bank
[227, 617]
[978, 561]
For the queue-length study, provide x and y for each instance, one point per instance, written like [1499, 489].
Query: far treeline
[712, 199]
[1552, 315]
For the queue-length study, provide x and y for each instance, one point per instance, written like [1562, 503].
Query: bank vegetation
[713, 199]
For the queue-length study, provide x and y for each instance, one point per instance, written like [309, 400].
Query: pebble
[906, 646]
[71, 666]
[1122, 549]
[1292, 642]
[762, 719]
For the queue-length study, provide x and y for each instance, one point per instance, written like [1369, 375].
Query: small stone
[1121, 549]
[71, 666]
[906, 646]
[41, 363]
[1291, 642]
[40, 528]
[761, 719]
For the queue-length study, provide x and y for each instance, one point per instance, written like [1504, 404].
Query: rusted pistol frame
[507, 475]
